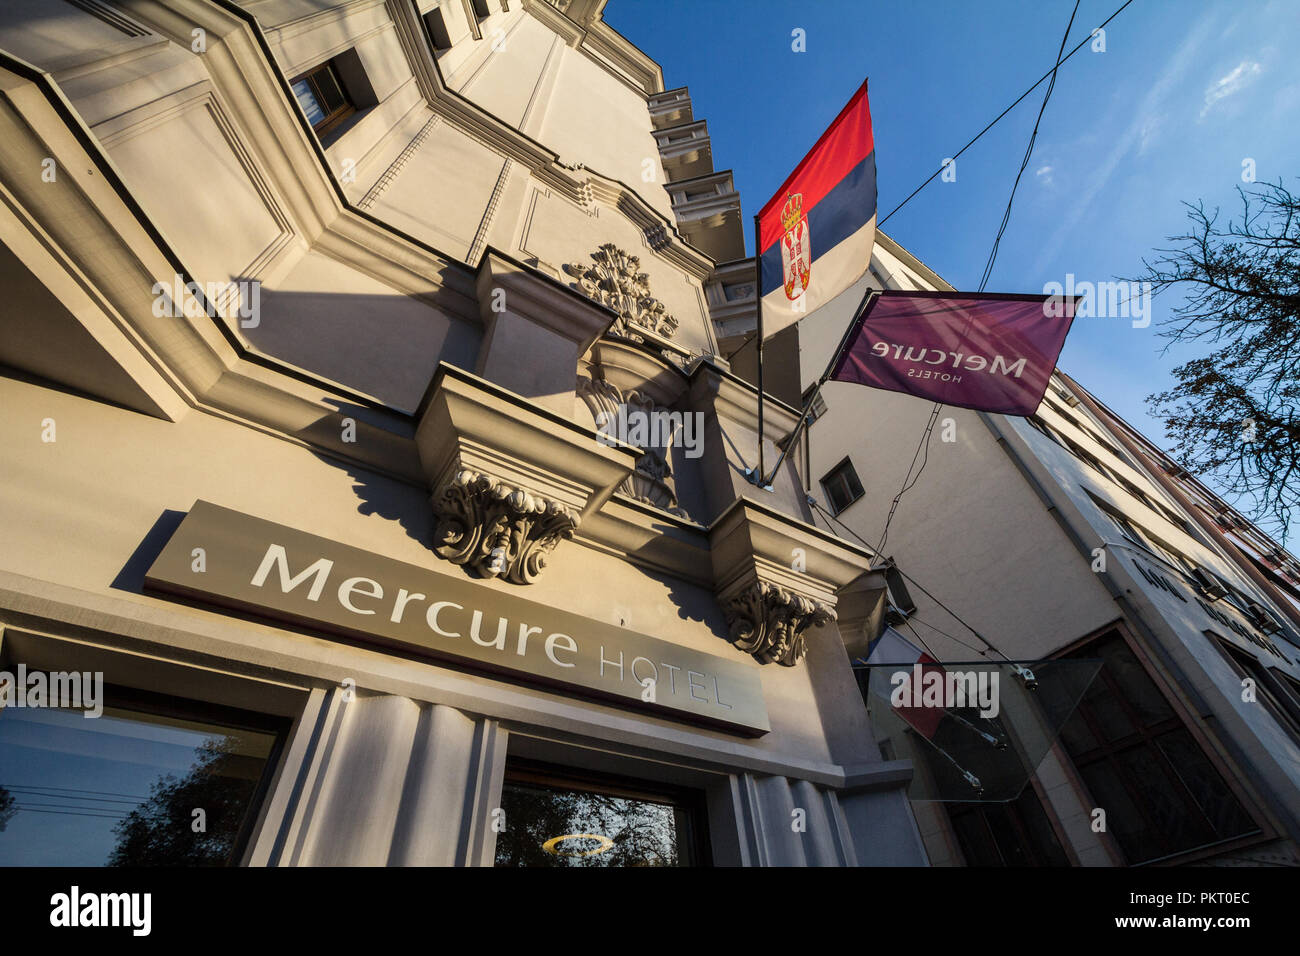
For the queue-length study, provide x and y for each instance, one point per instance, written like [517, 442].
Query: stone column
[384, 780]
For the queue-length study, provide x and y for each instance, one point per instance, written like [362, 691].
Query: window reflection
[553, 822]
[122, 789]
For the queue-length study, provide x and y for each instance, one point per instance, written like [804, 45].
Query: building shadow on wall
[131, 576]
[391, 498]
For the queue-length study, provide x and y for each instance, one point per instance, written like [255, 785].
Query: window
[1270, 687]
[481, 11]
[842, 486]
[321, 95]
[736, 291]
[1066, 396]
[439, 35]
[818, 407]
[1161, 794]
[1127, 528]
[1134, 490]
[1038, 424]
[1146, 540]
[121, 789]
[1015, 833]
[1290, 689]
[559, 818]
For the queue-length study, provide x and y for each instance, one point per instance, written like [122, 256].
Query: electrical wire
[70, 813]
[920, 640]
[924, 443]
[816, 505]
[913, 619]
[1029, 151]
[41, 786]
[909, 481]
[996, 119]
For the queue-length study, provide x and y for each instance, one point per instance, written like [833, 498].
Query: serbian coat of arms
[796, 248]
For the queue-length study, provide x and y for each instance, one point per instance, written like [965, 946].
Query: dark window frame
[1282, 702]
[332, 120]
[1039, 856]
[835, 472]
[430, 31]
[237, 718]
[158, 704]
[1145, 737]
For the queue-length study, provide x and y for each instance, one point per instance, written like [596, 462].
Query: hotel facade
[370, 452]
[375, 471]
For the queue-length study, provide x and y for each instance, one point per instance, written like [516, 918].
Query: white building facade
[367, 435]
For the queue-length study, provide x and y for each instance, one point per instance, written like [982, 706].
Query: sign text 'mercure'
[256, 565]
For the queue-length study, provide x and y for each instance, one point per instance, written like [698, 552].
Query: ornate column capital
[496, 528]
[769, 622]
[500, 513]
[776, 577]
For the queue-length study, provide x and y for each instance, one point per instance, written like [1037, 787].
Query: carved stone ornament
[614, 280]
[496, 529]
[652, 483]
[769, 622]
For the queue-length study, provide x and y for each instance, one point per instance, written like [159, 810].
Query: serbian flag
[910, 664]
[816, 234]
[988, 352]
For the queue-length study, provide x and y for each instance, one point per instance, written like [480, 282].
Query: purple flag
[992, 353]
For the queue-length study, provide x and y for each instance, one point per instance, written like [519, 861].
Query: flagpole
[817, 387]
[758, 299]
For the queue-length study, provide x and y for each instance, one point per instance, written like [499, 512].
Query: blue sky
[1184, 93]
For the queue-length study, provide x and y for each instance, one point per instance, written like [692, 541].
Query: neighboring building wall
[1005, 526]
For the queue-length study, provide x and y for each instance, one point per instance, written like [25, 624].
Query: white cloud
[1146, 119]
[1237, 79]
[1150, 127]
[1044, 173]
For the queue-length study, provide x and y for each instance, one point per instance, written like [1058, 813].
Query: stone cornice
[542, 300]
[602, 44]
[651, 538]
[776, 577]
[734, 399]
[631, 366]
[467, 422]
[751, 541]
[509, 481]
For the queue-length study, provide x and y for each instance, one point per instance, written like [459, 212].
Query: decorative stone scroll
[497, 529]
[769, 622]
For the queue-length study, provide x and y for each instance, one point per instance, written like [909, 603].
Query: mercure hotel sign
[235, 560]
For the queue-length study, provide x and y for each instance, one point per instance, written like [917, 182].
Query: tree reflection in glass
[643, 833]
